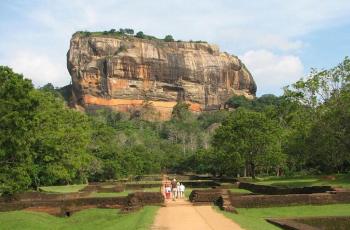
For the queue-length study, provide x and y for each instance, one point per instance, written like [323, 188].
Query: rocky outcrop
[128, 74]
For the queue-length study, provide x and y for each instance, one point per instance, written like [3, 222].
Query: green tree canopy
[18, 107]
[247, 137]
[168, 38]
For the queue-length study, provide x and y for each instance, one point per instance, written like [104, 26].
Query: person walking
[163, 188]
[174, 189]
[178, 189]
[182, 190]
[167, 190]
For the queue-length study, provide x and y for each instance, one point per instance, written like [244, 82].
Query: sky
[279, 41]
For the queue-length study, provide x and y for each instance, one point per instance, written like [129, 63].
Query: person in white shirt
[178, 189]
[182, 190]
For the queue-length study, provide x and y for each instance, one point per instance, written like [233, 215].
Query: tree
[247, 135]
[168, 38]
[17, 110]
[181, 111]
[105, 149]
[61, 137]
[239, 101]
[323, 99]
[140, 34]
[265, 101]
[129, 31]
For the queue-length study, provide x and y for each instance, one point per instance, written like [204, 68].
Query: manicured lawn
[87, 219]
[64, 188]
[338, 180]
[240, 191]
[154, 189]
[253, 218]
[110, 194]
[123, 193]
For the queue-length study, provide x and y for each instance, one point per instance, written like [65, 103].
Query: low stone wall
[256, 201]
[44, 196]
[205, 196]
[139, 186]
[201, 184]
[227, 186]
[313, 223]
[225, 180]
[288, 224]
[138, 199]
[69, 204]
[61, 207]
[272, 190]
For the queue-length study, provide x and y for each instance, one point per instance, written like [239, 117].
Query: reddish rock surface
[128, 73]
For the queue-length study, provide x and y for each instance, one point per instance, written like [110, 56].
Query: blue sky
[279, 41]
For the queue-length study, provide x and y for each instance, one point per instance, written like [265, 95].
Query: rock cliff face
[128, 73]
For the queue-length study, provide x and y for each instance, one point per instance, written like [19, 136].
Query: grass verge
[64, 188]
[335, 180]
[87, 219]
[254, 218]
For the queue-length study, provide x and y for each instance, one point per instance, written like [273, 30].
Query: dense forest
[44, 142]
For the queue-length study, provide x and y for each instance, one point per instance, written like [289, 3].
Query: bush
[168, 38]
[140, 34]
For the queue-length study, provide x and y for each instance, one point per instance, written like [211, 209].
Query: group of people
[173, 189]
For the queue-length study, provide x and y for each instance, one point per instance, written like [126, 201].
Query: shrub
[140, 34]
[169, 38]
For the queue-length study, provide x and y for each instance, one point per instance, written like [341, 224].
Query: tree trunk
[252, 170]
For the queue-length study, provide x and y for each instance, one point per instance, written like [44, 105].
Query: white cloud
[271, 41]
[236, 26]
[41, 69]
[270, 71]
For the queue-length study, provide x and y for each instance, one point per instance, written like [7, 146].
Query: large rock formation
[128, 73]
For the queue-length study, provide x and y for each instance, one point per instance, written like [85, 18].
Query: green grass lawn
[341, 181]
[87, 219]
[64, 188]
[253, 218]
[123, 193]
[110, 194]
[154, 189]
[240, 191]
[234, 190]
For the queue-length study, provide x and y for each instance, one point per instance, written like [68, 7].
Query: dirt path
[182, 215]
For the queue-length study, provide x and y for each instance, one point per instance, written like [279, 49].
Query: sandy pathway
[183, 215]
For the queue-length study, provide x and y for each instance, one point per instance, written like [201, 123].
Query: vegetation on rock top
[129, 33]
